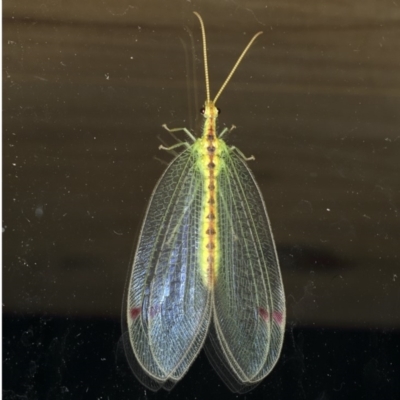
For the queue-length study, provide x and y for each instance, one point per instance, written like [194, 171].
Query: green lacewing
[205, 272]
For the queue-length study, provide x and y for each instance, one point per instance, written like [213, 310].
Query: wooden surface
[87, 86]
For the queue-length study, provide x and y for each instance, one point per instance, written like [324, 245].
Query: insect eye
[219, 111]
[202, 110]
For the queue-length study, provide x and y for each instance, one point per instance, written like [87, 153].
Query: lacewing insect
[205, 271]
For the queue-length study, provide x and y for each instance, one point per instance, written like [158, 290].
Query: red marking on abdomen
[211, 228]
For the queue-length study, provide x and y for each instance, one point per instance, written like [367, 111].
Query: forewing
[249, 304]
[168, 305]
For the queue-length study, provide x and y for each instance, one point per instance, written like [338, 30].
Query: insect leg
[233, 148]
[226, 130]
[179, 129]
[186, 144]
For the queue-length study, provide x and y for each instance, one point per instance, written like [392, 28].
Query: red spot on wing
[264, 314]
[277, 316]
[154, 310]
[134, 312]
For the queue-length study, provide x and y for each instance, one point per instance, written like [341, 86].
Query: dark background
[87, 86]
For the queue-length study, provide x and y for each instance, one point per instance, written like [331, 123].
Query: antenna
[206, 62]
[203, 33]
[236, 65]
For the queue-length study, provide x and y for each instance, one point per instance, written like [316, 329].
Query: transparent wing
[168, 307]
[249, 303]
